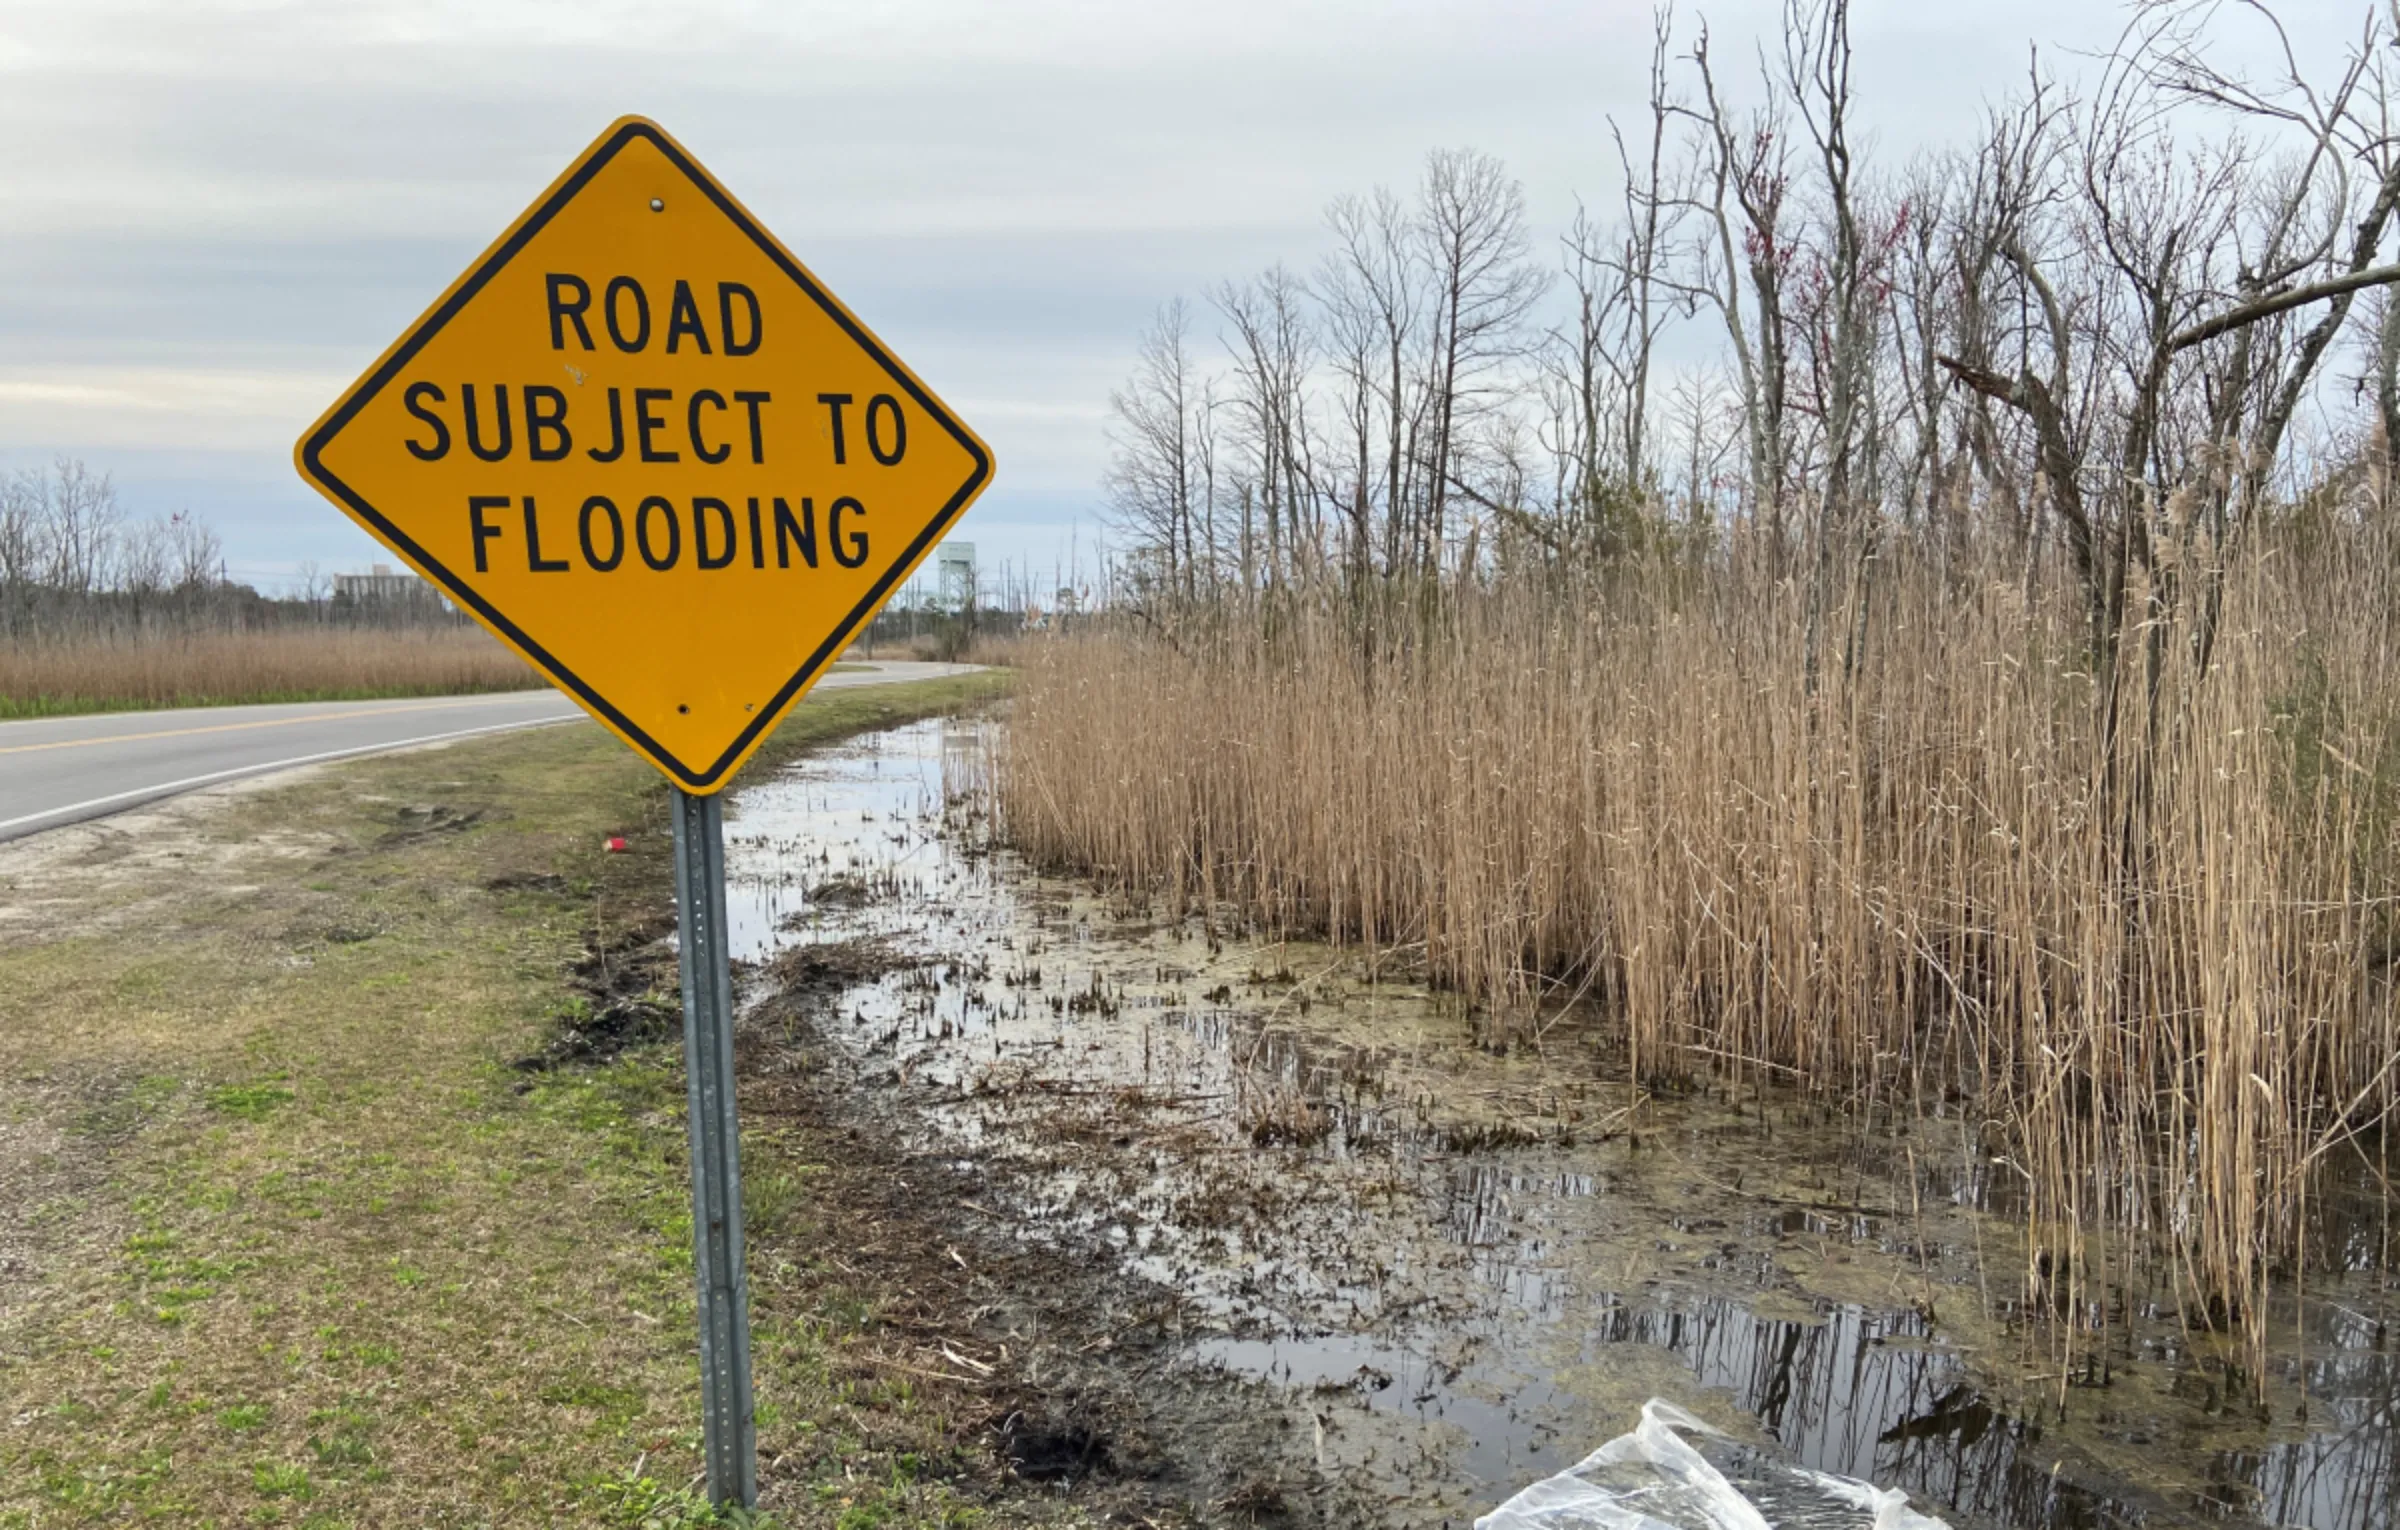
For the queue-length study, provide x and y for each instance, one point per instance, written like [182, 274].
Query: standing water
[1468, 1258]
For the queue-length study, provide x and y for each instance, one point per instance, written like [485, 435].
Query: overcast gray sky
[214, 213]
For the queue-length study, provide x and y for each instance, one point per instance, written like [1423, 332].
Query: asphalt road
[60, 770]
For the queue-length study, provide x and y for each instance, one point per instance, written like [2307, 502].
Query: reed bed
[296, 663]
[2154, 956]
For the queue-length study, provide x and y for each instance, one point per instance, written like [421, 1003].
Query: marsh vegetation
[1967, 697]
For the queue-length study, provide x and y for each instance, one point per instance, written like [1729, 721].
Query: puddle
[1466, 1264]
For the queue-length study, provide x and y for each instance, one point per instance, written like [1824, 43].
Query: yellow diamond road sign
[648, 450]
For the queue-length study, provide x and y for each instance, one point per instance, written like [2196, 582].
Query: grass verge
[285, 1238]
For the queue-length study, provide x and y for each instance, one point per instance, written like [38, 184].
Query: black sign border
[322, 437]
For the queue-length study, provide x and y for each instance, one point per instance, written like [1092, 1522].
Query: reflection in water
[1512, 1433]
[1455, 1270]
[2346, 1472]
[1865, 1395]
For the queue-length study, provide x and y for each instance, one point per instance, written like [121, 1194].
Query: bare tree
[2168, 320]
[1843, 309]
[144, 561]
[1353, 337]
[1374, 290]
[198, 554]
[1624, 300]
[1742, 273]
[83, 523]
[1271, 343]
[1151, 477]
[1472, 226]
[24, 525]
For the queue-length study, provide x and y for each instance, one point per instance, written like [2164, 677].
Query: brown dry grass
[2157, 965]
[43, 678]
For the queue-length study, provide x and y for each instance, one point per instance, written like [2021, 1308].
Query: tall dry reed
[2155, 952]
[297, 663]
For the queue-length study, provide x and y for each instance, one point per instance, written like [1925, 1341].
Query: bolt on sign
[653, 454]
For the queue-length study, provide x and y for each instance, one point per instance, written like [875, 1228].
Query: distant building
[382, 585]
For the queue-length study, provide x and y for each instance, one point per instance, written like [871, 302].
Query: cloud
[219, 210]
[139, 408]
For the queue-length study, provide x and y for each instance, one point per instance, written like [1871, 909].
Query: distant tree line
[74, 564]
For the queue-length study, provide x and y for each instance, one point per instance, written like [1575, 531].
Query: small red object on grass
[616, 842]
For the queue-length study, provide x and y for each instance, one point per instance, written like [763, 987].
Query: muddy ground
[1057, 1372]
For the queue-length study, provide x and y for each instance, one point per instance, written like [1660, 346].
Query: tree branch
[2280, 302]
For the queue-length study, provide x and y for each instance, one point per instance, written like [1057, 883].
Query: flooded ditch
[1451, 1266]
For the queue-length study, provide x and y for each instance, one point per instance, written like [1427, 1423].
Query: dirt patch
[1056, 1371]
[417, 822]
[528, 881]
[842, 893]
[807, 974]
[1061, 1367]
[624, 992]
[1036, 1448]
[129, 871]
[333, 933]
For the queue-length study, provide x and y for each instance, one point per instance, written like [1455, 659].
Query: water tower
[954, 569]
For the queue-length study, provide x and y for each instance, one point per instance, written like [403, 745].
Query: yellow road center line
[272, 722]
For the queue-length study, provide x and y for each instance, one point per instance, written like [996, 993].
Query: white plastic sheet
[1659, 1478]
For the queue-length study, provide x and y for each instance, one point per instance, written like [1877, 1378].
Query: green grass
[310, 1251]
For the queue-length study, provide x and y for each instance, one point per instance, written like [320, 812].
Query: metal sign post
[727, 1421]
